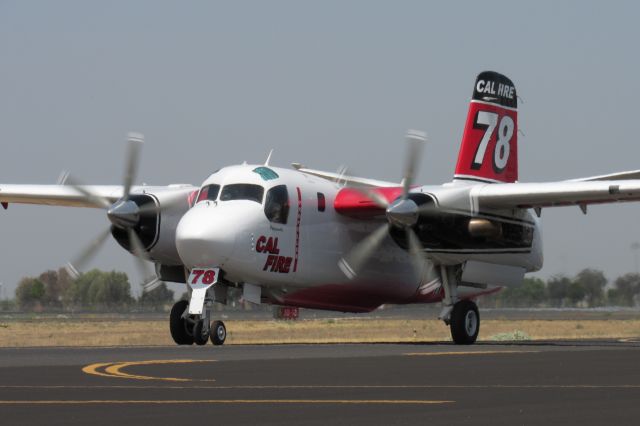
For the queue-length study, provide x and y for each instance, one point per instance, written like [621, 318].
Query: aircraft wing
[345, 179]
[65, 195]
[554, 194]
[628, 175]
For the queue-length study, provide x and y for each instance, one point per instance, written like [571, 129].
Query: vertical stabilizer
[489, 149]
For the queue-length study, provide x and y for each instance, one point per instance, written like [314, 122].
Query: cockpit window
[209, 192]
[276, 206]
[242, 191]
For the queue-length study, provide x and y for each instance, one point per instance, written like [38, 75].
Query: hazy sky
[323, 83]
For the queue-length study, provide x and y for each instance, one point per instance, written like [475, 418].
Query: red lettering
[260, 244]
[275, 248]
[209, 277]
[280, 264]
[197, 274]
[287, 265]
[270, 261]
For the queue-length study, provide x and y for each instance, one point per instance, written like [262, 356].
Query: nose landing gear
[188, 329]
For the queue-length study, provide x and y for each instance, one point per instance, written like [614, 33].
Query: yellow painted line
[112, 369]
[293, 387]
[93, 369]
[468, 353]
[227, 401]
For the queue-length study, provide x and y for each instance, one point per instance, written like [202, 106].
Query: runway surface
[384, 384]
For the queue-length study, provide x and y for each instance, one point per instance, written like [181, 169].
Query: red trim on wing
[354, 203]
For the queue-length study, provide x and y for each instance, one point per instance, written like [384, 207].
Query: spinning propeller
[402, 213]
[124, 214]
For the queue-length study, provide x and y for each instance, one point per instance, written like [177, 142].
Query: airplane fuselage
[292, 247]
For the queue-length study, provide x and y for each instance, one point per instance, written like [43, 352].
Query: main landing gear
[188, 329]
[461, 316]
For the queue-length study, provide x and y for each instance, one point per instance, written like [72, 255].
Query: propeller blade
[135, 141]
[358, 256]
[96, 199]
[141, 256]
[415, 252]
[87, 254]
[415, 141]
[151, 285]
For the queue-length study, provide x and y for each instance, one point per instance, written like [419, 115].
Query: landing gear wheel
[218, 333]
[200, 337]
[177, 324]
[465, 322]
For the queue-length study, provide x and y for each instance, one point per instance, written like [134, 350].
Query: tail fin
[489, 149]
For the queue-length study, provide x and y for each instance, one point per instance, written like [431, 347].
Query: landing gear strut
[460, 315]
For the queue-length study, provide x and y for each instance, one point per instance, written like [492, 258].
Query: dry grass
[123, 332]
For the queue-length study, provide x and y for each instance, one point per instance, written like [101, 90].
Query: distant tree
[576, 293]
[156, 298]
[56, 284]
[30, 294]
[558, 290]
[625, 291]
[7, 304]
[99, 289]
[531, 293]
[589, 286]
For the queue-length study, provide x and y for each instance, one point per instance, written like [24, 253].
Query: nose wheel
[218, 333]
[179, 326]
[201, 332]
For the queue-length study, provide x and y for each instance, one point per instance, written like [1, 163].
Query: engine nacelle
[160, 211]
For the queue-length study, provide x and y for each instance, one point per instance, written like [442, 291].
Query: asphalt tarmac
[594, 382]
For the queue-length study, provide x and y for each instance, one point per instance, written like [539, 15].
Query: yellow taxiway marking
[114, 369]
[283, 387]
[468, 353]
[227, 401]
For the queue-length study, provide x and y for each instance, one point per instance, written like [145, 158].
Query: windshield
[242, 191]
[209, 192]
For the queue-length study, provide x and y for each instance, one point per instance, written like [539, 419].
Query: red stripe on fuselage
[295, 262]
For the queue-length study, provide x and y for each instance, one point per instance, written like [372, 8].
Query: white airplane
[306, 238]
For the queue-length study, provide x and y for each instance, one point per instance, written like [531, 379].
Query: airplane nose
[206, 236]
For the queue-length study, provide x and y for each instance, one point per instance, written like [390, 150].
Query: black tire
[465, 322]
[218, 333]
[200, 338]
[177, 324]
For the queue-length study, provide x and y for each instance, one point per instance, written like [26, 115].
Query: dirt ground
[78, 332]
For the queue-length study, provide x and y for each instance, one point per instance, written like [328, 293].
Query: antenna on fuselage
[266, 163]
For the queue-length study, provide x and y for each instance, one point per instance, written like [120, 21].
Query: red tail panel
[489, 149]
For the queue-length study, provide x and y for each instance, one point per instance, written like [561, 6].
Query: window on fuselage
[209, 192]
[322, 203]
[276, 205]
[242, 191]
